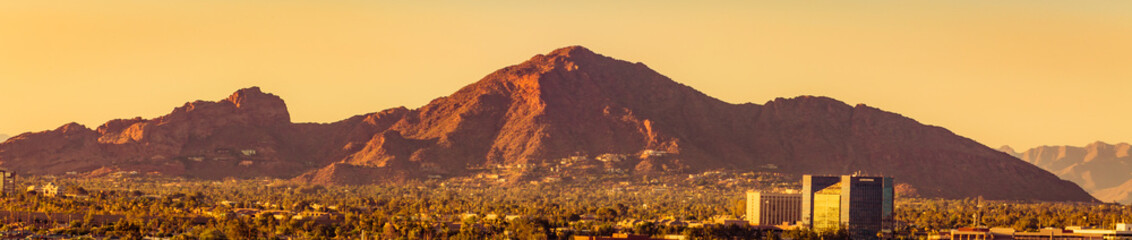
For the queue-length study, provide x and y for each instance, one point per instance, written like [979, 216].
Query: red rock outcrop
[569, 102]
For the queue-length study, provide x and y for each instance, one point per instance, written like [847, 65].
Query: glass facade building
[860, 205]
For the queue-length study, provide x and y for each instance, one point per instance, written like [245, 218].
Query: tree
[212, 234]
[389, 231]
[646, 228]
[607, 214]
[238, 229]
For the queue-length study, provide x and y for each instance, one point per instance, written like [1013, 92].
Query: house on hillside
[49, 189]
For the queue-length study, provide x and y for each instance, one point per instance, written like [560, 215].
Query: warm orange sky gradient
[1017, 72]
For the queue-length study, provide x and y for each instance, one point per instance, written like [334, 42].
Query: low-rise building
[277, 214]
[767, 208]
[52, 190]
[1123, 231]
[245, 211]
[982, 233]
[623, 236]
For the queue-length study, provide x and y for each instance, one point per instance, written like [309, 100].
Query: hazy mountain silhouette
[1105, 170]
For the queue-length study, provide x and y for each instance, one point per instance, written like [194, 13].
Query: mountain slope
[576, 102]
[1105, 170]
[569, 102]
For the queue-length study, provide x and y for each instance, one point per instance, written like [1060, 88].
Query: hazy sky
[1024, 73]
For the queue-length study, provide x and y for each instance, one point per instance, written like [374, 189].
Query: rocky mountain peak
[72, 127]
[572, 56]
[266, 107]
[247, 96]
[1008, 150]
[571, 51]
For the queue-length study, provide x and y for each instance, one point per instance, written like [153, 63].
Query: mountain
[1103, 169]
[247, 134]
[1008, 150]
[576, 102]
[569, 102]
[4, 137]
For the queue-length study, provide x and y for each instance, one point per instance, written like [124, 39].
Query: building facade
[52, 190]
[766, 208]
[860, 205]
[7, 183]
[1122, 232]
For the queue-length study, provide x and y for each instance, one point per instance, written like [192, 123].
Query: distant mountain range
[569, 102]
[4, 137]
[1103, 169]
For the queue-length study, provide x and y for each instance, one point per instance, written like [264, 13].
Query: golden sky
[1017, 72]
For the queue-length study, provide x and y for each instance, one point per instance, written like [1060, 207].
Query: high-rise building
[821, 199]
[7, 182]
[860, 205]
[766, 208]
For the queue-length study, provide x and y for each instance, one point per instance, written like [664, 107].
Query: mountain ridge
[569, 102]
[1100, 168]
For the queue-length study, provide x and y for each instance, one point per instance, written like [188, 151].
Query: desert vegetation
[695, 206]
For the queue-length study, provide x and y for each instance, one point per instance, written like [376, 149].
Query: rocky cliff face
[549, 108]
[1105, 170]
[569, 102]
[248, 134]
